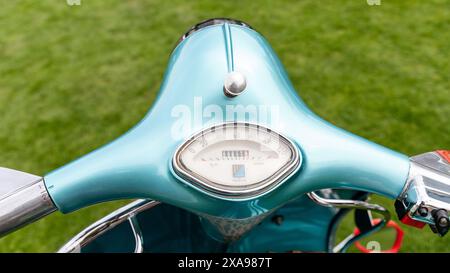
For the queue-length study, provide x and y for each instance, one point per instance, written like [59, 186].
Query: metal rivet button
[235, 84]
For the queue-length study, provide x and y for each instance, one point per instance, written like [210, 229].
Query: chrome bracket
[126, 213]
[352, 204]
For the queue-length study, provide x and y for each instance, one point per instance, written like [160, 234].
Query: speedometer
[236, 160]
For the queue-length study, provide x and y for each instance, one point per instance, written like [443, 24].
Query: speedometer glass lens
[236, 160]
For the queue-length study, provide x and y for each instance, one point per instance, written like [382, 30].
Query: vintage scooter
[230, 159]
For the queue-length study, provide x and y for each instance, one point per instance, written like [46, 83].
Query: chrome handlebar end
[23, 199]
[426, 196]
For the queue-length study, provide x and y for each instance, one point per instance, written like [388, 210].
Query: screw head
[235, 83]
[423, 211]
[443, 222]
[278, 219]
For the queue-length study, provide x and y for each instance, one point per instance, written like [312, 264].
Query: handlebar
[23, 199]
[426, 196]
[138, 164]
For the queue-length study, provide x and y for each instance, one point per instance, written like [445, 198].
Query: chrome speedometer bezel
[236, 192]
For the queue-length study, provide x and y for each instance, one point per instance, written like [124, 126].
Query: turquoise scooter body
[306, 227]
[139, 164]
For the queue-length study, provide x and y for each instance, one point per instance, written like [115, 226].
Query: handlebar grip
[23, 199]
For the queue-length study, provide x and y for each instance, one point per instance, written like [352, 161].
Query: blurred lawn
[75, 77]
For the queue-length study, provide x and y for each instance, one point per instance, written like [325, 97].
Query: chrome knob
[235, 84]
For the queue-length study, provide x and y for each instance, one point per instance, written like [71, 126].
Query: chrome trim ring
[211, 22]
[236, 193]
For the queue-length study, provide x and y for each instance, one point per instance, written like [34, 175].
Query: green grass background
[75, 77]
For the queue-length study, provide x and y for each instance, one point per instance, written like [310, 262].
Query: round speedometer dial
[236, 160]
